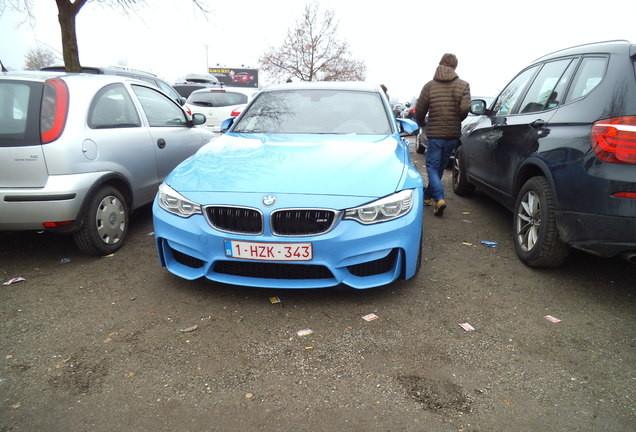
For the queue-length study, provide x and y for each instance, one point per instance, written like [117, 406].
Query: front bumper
[360, 256]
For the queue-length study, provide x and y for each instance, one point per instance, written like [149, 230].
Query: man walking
[446, 100]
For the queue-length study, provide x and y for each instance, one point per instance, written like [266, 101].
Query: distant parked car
[193, 82]
[217, 104]
[79, 152]
[558, 148]
[312, 186]
[131, 73]
[243, 78]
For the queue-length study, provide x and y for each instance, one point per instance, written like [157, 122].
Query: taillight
[614, 139]
[625, 195]
[236, 112]
[54, 110]
[57, 224]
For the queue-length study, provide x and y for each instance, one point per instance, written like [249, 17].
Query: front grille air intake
[302, 222]
[238, 220]
[268, 270]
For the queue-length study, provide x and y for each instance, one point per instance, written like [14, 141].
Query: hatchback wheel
[104, 223]
[461, 186]
[536, 236]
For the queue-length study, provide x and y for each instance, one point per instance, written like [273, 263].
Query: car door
[522, 135]
[117, 141]
[479, 145]
[174, 137]
[519, 119]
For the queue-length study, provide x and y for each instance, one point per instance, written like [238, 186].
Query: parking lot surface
[118, 343]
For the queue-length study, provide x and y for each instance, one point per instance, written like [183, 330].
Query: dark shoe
[439, 207]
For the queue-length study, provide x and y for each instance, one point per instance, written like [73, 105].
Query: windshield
[316, 111]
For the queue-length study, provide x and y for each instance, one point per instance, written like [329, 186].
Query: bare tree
[67, 11]
[313, 52]
[38, 58]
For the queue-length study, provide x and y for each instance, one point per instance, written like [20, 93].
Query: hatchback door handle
[161, 143]
[537, 124]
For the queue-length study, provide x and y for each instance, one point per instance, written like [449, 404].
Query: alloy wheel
[528, 221]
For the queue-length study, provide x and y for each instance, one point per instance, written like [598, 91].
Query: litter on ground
[467, 327]
[14, 280]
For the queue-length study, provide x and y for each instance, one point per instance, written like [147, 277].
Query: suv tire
[104, 224]
[536, 235]
[461, 186]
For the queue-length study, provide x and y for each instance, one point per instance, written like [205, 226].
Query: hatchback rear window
[19, 113]
[217, 99]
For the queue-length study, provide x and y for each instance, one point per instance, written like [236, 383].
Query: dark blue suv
[558, 148]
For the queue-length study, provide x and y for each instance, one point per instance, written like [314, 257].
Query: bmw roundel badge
[269, 200]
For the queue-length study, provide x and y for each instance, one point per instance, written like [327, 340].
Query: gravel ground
[118, 343]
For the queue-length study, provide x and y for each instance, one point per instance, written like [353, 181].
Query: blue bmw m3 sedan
[312, 186]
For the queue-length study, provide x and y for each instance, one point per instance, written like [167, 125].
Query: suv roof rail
[615, 41]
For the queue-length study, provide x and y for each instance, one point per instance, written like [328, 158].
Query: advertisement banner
[236, 77]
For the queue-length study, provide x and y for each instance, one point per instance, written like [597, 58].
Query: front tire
[461, 186]
[537, 239]
[104, 224]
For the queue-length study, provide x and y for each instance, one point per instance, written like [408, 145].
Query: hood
[445, 73]
[353, 165]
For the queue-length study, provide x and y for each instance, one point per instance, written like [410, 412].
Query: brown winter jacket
[446, 99]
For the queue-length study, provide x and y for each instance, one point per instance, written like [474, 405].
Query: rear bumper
[23, 209]
[602, 235]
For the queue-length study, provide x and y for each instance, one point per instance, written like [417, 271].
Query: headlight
[382, 210]
[173, 202]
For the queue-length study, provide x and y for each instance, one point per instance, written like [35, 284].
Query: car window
[160, 110]
[316, 111]
[169, 90]
[14, 112]
[559, 91]
[541, 93]
[509, 96]
[112, 107]
[217, 99]
[588, 76]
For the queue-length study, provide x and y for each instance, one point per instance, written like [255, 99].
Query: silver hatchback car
[80, 152]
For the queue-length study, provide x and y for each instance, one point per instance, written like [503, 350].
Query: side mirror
[227, 124]
[407, 127]
[198, 119]
[478, 106]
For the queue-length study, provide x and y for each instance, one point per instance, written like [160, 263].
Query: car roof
[70, 77]
[612, 47]
[326, 85]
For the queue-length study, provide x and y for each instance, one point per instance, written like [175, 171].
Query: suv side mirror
[478, 106]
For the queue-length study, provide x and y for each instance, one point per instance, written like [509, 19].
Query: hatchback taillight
[54, 110]
[614, 139]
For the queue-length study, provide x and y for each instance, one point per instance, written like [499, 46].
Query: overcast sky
[400, 42]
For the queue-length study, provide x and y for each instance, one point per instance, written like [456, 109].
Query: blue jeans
[438, 153]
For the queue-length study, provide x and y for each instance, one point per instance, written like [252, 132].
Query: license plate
[268, 251]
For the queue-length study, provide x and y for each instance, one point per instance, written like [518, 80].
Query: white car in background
[217, 104]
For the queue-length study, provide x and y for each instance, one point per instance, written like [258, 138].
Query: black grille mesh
[268, 270]
[302, 221]
[236, 219]
[186, 260]
[376, 267]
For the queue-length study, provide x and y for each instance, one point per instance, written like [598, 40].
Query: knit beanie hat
[448, 60]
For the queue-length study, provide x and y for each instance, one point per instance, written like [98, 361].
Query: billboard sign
[236, 77]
